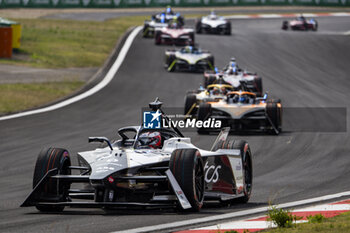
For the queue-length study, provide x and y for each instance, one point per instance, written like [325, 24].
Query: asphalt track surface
[304, 69]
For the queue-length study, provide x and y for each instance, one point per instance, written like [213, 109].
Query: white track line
[106, 80]
[242, 213]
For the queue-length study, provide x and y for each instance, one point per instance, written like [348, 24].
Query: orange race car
[243, 111]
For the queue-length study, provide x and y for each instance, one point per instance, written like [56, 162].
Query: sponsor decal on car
[211, 173]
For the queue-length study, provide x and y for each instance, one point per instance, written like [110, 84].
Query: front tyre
[190, 102]
[247, 165]
[243, 146]
[48, 159]
[188, 170]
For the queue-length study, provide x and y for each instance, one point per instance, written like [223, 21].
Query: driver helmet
[168, 10]
[242, 99]
[151, 139]
[162, 18]
[189, 49]
[212, 15]
[216, 91]
[223, 90]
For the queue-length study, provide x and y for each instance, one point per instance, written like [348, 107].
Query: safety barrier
[162, 3]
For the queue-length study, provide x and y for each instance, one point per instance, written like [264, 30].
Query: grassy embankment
[337, 224]
[48, 43]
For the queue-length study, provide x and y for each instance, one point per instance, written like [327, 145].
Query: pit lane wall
[162, 3]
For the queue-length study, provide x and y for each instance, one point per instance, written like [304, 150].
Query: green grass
[17, 97]
[50, 43]
[338, 224]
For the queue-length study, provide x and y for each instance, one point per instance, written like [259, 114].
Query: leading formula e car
[174, 34]
[301, 24]
[212, 93]
[242, 111]
[161, 20]
[213, 24]
[146, 167]
[188, 58]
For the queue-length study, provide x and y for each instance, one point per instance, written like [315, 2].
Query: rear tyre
[199, 26]
[187, 167]
[228, 29]
[275, 114]
[189, 102]
[49, 159]
[145, 31]
[212, 62]
[315, 27]
[157, 38]
[170, 60]
[192, 39]
[204, 112]
[258, 85]
[285, 25]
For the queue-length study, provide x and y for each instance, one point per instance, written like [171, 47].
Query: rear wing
[221, 137]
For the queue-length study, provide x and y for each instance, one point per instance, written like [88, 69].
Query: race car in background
[212, 93]
[233, 75]
[242, 111]
[174, 34]
[188, 58]
[213, 24]
[301, 24]
[145, 168]
[161, 20]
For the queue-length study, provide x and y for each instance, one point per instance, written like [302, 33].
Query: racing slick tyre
[189, 102]
[199, 26]
[157, 38]
[170, 66]
[244, 148]
[211, 60]
[145, 31]
[285, 25]
[228, 29]
[209, 80]
[203, 113]
[192, 39]
[315, 26]
[258, 85]
[275, 114]
[47, 160]
[188, 170]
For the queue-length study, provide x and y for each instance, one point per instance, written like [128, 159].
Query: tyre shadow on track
[208, 209]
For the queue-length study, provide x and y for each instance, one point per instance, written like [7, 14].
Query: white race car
[159, 21]
[235, 76]
[188, 58]
[146, 167]
[213, 24]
